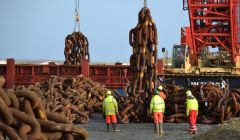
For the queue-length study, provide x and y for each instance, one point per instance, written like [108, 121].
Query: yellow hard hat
[108, 92]
[160, 88]
[189, 93]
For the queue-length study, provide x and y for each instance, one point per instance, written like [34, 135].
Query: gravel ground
[139, 131]
[230, 130]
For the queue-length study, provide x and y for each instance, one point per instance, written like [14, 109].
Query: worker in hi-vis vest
[157, 108]
[109, 110]
[192, 112]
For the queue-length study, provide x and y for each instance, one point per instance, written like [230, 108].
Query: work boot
[115, 127]
[161, 128]
[190, 130]
[194, 132]
[108, 127]
[157, 128]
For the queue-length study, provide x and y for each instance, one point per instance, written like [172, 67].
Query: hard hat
[108, 92]
[189, 93]
[160, 88]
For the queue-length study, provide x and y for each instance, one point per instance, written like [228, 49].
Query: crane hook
[77, 16]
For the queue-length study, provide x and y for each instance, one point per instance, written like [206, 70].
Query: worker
[192, 112]
[180, 53]
[157, 108]
[109, 110]
[161, 93]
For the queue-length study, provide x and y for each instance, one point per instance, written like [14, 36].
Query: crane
[214, 24]
[210, 47]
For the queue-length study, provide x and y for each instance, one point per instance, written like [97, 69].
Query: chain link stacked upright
[144, 41]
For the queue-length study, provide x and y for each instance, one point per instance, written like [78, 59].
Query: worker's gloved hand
[118, 116]
[151, 115]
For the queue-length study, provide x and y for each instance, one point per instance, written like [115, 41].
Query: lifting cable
[203, 96]
[77, 16]
[145, 3]
[225, 87]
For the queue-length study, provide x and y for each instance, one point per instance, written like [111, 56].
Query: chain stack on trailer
[76, 44]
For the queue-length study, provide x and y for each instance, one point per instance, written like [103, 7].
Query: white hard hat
[108, 92]
[160, 88]
[189, 93]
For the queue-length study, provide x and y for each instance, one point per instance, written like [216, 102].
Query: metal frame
[236, 25]
[213, 24]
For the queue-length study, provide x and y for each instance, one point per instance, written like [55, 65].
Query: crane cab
[180, 59]
[179, 55]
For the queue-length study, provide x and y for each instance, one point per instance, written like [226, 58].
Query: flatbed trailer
[185, 80]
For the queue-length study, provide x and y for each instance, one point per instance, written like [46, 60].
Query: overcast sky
[36, 29]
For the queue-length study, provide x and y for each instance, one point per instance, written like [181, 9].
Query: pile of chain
[143, 39]
[23, 117]
[76, 49]
[216, 105]
[175, 104]
[74, 98]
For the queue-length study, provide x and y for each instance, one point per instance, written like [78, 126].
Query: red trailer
[113, 76]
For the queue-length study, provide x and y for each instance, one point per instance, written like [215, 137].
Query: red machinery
[214, 23]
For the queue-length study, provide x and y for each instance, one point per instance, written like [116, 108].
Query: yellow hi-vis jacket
[109, 106]
[157, 104]
[192, 104]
